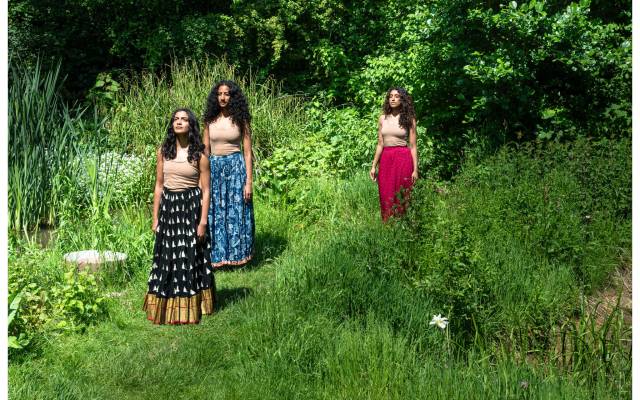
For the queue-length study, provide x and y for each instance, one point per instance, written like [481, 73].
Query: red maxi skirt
[394, 180]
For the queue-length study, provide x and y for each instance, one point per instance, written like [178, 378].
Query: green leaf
[13, 343]
[15, 303]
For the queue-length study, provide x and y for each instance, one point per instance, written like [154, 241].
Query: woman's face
[223, 96]
[394, 99]
[181, 123]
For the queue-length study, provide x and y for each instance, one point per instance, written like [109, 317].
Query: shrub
[338, 143]
[48, 297]
[514, 240]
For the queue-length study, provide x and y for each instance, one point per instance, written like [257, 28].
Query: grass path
[128, 357]
[260, 345]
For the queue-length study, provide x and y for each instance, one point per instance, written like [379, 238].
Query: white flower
[440, 321]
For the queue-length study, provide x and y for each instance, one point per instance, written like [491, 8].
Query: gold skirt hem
[178, 310]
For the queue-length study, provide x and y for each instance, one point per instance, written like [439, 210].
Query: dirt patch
[602, 303]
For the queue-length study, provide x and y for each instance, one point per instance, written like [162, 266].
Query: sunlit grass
[144, 107]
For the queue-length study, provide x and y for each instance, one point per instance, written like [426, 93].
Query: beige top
[392, 133]
[224, 136]
[179, 173]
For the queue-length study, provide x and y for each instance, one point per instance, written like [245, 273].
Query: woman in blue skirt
[227, 141]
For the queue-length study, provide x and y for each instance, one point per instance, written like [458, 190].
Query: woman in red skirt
[396, 152]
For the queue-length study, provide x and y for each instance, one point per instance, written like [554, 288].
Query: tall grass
[327, 313]
[41, 143]
[147, 102]
[50, 148]
[517, 239]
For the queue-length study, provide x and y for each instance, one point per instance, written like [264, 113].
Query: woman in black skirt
[181, 282]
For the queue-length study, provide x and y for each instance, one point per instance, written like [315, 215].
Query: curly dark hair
[195, 142]
[238, 106]
[407, 112]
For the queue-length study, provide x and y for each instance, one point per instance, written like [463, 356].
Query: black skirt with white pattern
[181, 263]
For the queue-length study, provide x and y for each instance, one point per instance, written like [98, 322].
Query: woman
[397, 153]
[181, 282]
[227, 141]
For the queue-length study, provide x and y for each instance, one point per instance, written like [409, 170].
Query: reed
[37, 135]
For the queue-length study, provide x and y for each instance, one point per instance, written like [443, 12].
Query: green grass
[142, 110]
[41, 136]
[54, 153]
[325, 312]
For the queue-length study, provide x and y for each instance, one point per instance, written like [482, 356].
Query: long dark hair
[238, 106]
[195, 143]
[407, 112]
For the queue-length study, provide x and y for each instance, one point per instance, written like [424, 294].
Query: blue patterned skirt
[231, 223]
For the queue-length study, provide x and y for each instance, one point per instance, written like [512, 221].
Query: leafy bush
[528, 229]
[338, 143]
[485, 74]
[48, 297]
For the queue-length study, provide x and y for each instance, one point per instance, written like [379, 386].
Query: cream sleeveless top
[392, 133]
[179, 173]
[224, 136]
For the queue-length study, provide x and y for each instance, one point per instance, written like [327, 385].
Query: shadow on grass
[226, 297]
[268, 246]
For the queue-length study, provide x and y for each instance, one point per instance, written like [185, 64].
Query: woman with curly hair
[397, 153]
[227, 141]
[181, 282]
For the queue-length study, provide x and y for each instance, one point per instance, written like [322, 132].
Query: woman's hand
[247, 192]
[154, 225]
[414, 176]
[202, 230]
[372, 174]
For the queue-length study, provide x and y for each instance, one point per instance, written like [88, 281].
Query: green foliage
[519, 72]
[54, 160]
[20, 341]
[588, 342]
[77, 301]
[47, 298]
[451, 271]
[539, 209]
[140, 120]
[482, 73]
[119, 179]
[127, 231]
[42, 139]
[336, 144]
[478, 71]
[103, 93]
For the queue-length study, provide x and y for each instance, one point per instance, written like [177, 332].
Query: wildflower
[440, 321]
